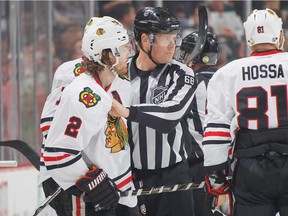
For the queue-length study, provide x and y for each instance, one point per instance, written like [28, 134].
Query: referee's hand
[118, 110]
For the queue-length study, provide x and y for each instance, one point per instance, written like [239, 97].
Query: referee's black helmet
[155, 20]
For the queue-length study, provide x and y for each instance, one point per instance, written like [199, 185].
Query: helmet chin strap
[149, 53]
[112, 67]
[282, 37]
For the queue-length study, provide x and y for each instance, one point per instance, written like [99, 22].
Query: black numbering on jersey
[72, 128]
[259, 111]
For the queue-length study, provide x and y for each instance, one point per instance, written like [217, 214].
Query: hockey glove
[100, 189]
[218, 194]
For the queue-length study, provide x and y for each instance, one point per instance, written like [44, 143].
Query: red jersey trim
[217, 133]
[124, 182]
[45, 128]
[56, 158]
[99, 83]
[268, 52]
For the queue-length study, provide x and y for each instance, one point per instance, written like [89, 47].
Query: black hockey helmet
[155, 20]
[209, 53]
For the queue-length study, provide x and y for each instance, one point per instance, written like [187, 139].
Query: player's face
[164, 47]
[125, 52]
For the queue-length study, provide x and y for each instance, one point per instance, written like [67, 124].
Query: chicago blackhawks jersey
[82, 129]
[249, 93]
[64, 75]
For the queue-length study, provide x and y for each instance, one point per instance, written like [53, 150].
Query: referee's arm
[164, 116]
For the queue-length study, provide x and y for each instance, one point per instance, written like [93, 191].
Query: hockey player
[162, 91]
[247, 100]
[86, 150]
[63, 76]
[204, 65]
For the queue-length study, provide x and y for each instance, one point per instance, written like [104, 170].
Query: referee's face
[164, 48]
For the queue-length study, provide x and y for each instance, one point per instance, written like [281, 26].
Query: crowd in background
[26, 78]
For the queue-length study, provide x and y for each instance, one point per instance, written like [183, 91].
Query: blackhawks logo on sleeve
[79, 69]
[88, 98]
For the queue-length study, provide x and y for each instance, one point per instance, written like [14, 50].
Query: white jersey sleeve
[63, 76]
[217, 122]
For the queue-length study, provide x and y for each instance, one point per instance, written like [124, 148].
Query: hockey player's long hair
[93, 68]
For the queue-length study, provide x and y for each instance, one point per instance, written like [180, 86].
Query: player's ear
[144, 38]
[145, 41]
[112, 58]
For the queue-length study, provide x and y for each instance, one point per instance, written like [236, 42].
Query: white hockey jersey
[63, 76]
[249, 93]
[81, 126]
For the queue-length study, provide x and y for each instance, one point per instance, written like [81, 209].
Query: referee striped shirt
[197, 114]
[161, 100]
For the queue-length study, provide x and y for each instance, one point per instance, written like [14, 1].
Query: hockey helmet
[103, 33]
[263, 26]
[155, 20]
[96, 20]
[209, 53]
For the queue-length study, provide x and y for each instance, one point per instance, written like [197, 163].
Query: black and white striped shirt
[161, 100]
[197, 114]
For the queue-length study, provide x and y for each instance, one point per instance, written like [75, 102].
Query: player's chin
[166, 59]
[121, 70]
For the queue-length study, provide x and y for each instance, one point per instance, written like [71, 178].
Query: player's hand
[100, 189]
[218, 195]
[118, 110]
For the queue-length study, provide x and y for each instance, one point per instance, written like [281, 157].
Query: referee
[162, 92]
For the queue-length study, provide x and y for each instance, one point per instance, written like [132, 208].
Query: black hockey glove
[100, 189]
[218, 194]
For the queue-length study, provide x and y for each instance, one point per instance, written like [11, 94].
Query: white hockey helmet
[103, 33]
[95, 21]
[263, 26]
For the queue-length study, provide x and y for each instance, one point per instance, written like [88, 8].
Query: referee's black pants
[165, 204]
[260, 186]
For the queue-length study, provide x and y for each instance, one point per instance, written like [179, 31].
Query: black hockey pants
[179, 203]
[260, 185]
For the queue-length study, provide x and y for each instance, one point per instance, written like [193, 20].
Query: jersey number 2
[72, 128]
[259, 112]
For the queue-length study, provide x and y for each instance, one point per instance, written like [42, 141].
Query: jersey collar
[99, 83]
[134, 71]
[266, 52]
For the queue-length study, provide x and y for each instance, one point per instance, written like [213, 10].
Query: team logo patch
[100, 31]
[158, 94]
[78, 69]
[88, 98]
[116, 134]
